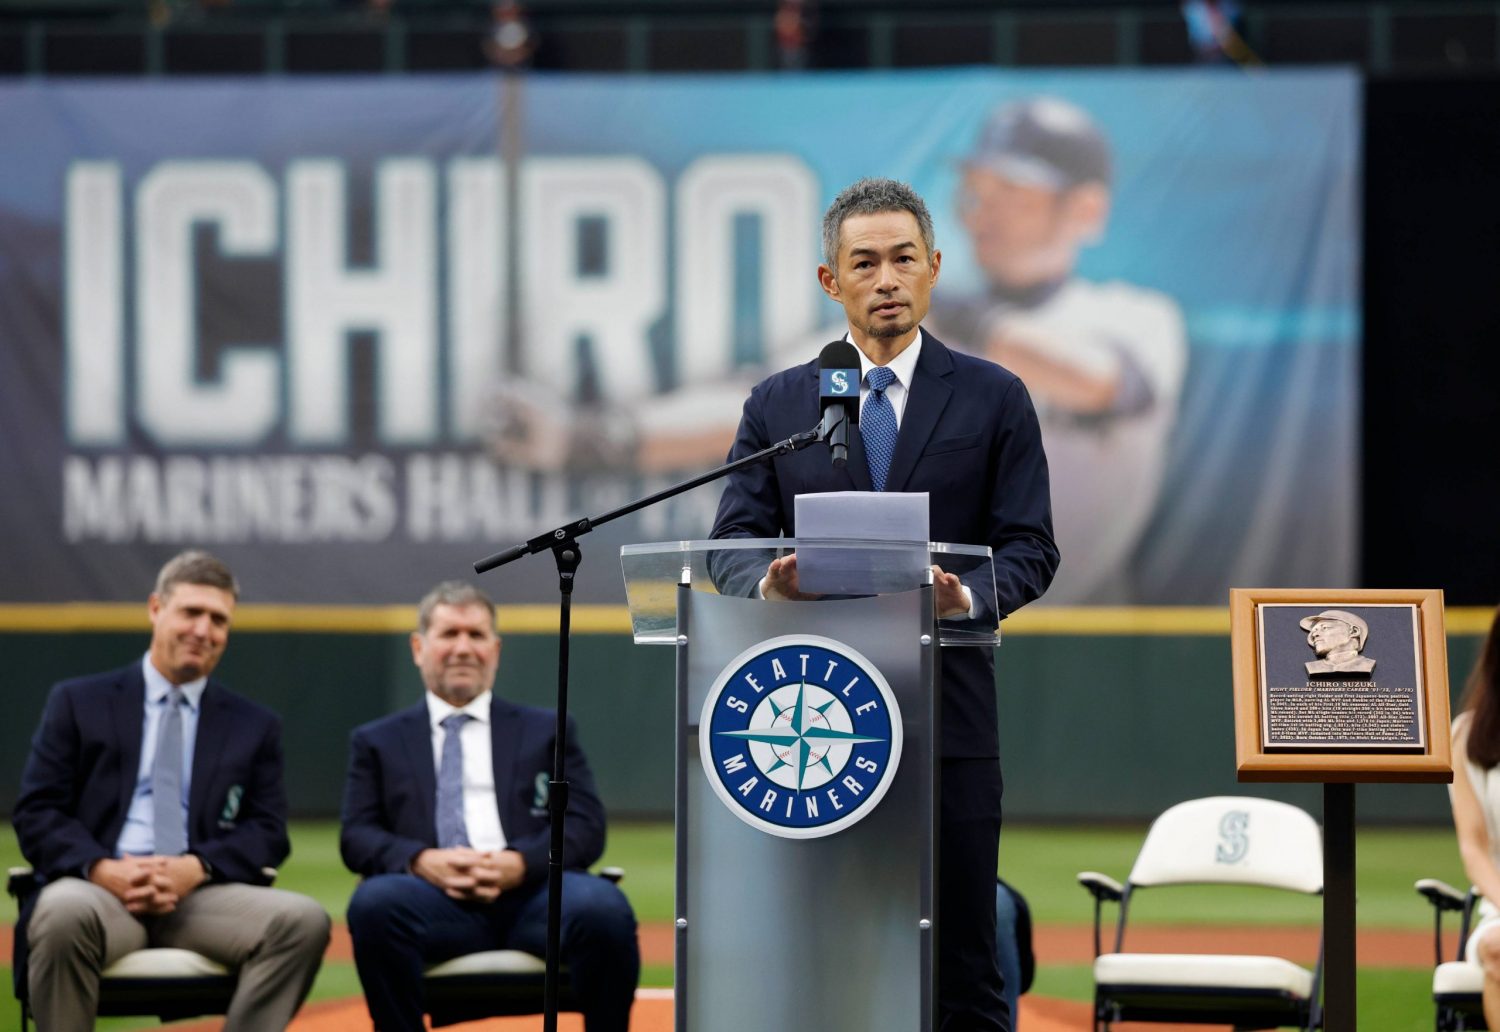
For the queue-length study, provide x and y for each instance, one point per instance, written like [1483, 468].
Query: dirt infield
[1055, 944]
[652, 1013]
[1377, 947]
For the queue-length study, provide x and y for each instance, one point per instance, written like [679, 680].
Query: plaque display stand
[836, 932]
[1335, 728]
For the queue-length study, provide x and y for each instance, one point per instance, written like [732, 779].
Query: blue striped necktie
[451, 830]
[877, 425]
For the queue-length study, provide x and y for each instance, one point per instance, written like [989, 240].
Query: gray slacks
[275, 939]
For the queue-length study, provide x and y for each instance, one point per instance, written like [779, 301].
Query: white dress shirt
[481, 808]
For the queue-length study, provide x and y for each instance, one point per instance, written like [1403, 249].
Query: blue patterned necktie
[451, 830]
[877, 425]
[168, 824]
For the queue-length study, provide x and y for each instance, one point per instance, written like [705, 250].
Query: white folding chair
[1458, 984]
[1222, 840]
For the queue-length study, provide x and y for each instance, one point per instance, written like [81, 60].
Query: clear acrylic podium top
[848, 567]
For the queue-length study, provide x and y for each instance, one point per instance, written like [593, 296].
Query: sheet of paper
[893, 516]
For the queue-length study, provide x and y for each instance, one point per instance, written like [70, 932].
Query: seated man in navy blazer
[445, 817]
[152, 807]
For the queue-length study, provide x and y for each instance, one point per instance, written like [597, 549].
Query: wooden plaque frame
[1432, 763]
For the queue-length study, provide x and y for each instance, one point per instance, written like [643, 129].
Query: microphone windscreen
[838, 372]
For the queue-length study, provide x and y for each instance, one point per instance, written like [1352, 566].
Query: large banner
[353, 334]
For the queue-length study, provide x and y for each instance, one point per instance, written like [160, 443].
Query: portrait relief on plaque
[1338, 637]
[1340, 677]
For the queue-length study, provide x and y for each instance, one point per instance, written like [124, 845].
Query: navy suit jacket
[79, 778]
[390, 794]
[969, 438]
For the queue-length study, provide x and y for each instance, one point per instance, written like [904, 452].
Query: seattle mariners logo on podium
[800, 736]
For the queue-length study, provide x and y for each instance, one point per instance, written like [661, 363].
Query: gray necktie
[450, 784]
[169, 824]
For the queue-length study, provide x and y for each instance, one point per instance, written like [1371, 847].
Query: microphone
[838, 391]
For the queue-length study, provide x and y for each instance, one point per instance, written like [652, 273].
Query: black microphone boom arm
[569, 531]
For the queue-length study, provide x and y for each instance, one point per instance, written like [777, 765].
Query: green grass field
[1040, 861]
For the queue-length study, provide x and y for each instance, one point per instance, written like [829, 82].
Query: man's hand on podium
[949, 595]
[780, 582]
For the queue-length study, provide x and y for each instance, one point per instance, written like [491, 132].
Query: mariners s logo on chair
[800, 736]
[1234, 836]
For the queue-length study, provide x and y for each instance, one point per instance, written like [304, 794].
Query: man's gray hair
[873, 197]
[451, 593]
[196, 566]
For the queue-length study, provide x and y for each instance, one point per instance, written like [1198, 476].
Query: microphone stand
[563, 544]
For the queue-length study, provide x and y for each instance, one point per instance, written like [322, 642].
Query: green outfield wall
[1105, 714]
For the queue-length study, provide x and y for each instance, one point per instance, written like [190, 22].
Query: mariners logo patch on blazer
[800, 736]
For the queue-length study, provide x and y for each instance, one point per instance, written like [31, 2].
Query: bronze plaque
[1341, 677]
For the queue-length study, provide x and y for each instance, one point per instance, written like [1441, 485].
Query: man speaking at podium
[963, 430]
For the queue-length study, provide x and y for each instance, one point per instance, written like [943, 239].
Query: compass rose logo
[800, 736]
